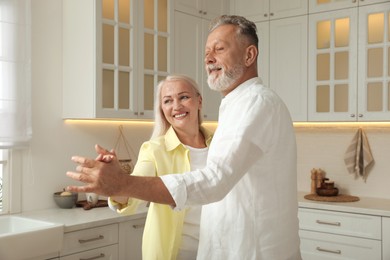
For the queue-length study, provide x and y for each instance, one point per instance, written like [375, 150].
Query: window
[3, 179]
[15, 91]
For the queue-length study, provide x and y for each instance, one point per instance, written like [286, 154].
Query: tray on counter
[338, 198]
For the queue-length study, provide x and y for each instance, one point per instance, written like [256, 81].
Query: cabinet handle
[82, 241]
[94, 257]
[329, 223]
[352, 115]
[329, 250]
[360, 115]
[138, 226]
[141, 113]
[353, 1]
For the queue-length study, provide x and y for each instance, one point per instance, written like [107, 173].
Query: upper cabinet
[329, 5]
[191, 30]
[349, 64]
[114, 53]
[282, 61]
[208, 9]
[264, 10]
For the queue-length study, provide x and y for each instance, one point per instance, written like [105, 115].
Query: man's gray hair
[246, 28]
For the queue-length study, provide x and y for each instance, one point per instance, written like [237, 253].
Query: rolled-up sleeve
[177, 188]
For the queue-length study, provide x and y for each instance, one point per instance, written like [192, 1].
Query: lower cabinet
[386, 238]
[109, 242]
[92, 243]
[130, 239]
[338, 235]
[102, 253]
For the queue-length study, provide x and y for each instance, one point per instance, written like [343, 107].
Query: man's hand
[103, 176]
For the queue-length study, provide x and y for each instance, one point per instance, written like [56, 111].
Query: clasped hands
[103, 175]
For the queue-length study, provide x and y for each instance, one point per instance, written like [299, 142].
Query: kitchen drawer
[323, 246]
[349, 224]
[91, 238]
[103, 253]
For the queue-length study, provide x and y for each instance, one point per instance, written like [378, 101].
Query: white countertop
[369, 206]
[78, 218]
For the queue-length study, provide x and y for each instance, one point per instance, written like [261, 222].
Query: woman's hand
[103, 176]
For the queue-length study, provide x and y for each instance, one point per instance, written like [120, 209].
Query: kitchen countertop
[366, 205]
[78, 218]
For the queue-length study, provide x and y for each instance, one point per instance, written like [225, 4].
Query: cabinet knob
[265, 15]
[204, 13]
[141, 113]
[352, 115]
[271, 14]
[200, 11]
[353, 1]
[360, 115]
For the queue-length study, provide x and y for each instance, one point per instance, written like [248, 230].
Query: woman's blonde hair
[161, 125]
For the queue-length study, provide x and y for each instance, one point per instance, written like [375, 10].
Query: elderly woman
[178, 144]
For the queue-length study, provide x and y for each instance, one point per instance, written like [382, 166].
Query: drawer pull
[138, 226]
[329, 223]
[94, 257]
[329, 250]
[82, 241]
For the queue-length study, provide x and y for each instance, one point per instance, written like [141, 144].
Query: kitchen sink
[26, 238]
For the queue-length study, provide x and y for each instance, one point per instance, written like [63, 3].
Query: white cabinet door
[329, 5]
[263, 60]
[332, 89]
[102, 253]
[190, 38]
[264, 10]
[385, 238]
[288, 63]
[325, 246]
[208, 9]
[373, 67]
[282, 61]
[130, 239]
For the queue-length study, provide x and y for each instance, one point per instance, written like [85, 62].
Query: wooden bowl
[327, 192]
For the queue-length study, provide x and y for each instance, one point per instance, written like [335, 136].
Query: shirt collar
[240, 88]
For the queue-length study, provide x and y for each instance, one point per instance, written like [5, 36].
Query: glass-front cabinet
[114, 53]
[329, 5]
[349, 64]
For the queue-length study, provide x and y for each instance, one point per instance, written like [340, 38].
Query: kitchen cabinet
[329, 5]
[191, 30]
[97, 242]
[338, 235]
[130, 239]
[282, 61]
[264, 10]
[348, 64]
[288, 63]
[385, 238]
[208, 9]
[114, 53]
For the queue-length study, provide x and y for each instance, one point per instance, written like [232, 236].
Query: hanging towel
[358, 155]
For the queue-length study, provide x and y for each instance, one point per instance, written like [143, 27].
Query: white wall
[55, 141]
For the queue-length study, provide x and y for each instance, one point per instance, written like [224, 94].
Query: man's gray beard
[227, 79]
